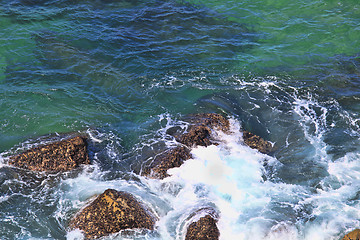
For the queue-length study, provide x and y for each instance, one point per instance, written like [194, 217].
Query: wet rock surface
[203, 229]
[111, 212]
[199, 132]
[257, 142]
[169, 159]
[212, 120]
[353, 235]
[59, 156]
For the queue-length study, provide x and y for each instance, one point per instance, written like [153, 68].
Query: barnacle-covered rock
[257, 142]
[199, 132]
[111, 212]
[166, 160]
[59, 156]
[203, 229]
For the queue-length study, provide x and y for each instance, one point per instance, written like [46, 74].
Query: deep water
[125, 72]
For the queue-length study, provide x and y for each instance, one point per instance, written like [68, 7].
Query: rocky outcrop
[111, 212]
[257, 142]
[353, 235]
[199, 132]
[60, 156]
[169, 159]
[203, 229]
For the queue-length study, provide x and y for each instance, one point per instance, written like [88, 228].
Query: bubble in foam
[75, 234]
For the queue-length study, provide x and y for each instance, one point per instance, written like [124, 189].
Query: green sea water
[125, 71]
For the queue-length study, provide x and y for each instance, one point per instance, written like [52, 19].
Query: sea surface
[125, 72]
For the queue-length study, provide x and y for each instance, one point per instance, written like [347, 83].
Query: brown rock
[111, 212]
[169, 159]
[64, 155]
[199, 133]
[203, 229]
[353, 235]
[212, 120]
[257, 142]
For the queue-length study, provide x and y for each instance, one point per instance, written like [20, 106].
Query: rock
[111, 212]
[199, 132]
[169, 159]
[63, 155]
[197, 135]
[257, 142]
[203, 229]
[353, 235]
[212, 120]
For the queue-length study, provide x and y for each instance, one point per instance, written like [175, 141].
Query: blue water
[127, 72]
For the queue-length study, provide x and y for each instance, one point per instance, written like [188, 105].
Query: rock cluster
[111, 212]
[199, 133]
[60, 156]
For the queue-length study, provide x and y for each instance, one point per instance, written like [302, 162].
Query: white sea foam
[75, 234]
[230, 178]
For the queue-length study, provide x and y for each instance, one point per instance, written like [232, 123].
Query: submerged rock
[63, 155]
[257, 142]
[353, 235]
[111, 212]
[203, 229]
[169, 159]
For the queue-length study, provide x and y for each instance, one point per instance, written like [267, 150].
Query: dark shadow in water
[147, 37]
[168, 35]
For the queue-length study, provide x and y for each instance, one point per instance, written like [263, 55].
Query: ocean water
[125, 72]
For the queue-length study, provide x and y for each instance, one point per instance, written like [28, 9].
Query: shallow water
[125, 72]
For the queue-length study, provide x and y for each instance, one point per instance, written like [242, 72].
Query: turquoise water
[126, 71]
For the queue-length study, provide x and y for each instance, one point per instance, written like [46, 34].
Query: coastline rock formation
[257, 142]
[199, 133]
[169, 159]
[111, 212]
[60, 156]
[203, 229]
[353, 235]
